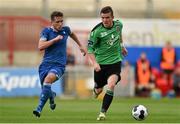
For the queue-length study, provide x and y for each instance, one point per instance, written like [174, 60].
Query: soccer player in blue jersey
[53, 40]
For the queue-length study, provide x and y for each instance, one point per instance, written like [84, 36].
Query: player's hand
[124, 51]
[58, 38]
[83, 50]
[97, 67]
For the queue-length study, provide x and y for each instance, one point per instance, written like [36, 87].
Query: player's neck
[54, 29]
[110, 26]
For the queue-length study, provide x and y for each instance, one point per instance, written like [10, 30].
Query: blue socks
[46, 93]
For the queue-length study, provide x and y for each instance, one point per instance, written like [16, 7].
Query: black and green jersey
[104, 43]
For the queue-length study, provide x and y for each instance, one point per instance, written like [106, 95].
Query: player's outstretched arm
[45, 44]
[124, 50]
[75, 38]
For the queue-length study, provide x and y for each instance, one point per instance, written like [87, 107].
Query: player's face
[107, 19]
[57, 23]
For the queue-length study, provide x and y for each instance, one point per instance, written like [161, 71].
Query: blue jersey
[56, 53]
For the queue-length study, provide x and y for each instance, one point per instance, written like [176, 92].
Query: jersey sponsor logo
[112, 40]
[103, 34]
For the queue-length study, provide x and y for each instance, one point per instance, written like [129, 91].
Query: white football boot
[101, 116]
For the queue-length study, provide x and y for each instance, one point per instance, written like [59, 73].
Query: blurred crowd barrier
[77, 82]
[24, 81]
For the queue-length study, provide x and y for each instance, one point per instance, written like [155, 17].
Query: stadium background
[148, 24]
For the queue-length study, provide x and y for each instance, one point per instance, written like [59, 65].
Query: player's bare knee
[50, 78]
[113, 78]
[111, 85]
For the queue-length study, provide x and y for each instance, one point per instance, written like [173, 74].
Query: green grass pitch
[19, 110]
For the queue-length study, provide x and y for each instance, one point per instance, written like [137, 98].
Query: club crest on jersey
[117, 28]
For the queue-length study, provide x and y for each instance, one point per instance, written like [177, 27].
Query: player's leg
[98, 83]
[112, 76]
[58, 71]
[53, 94]
[108, 97]
[112, 80]
[45, 93]
[52, 103]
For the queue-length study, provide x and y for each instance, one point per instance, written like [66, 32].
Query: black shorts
[102, 76]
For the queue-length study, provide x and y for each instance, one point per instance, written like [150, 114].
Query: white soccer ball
[139, 112]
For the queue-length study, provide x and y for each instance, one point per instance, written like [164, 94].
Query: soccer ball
[139, 112]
